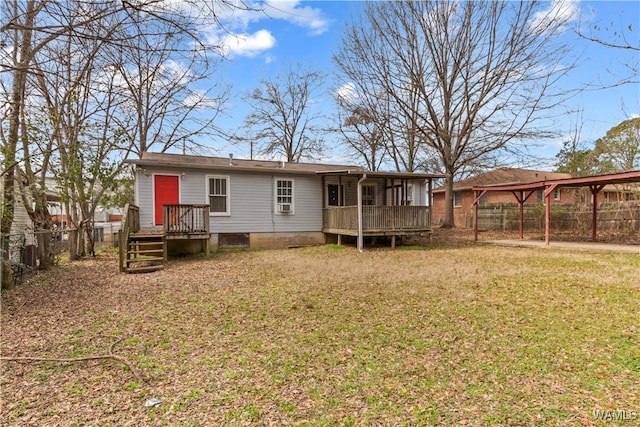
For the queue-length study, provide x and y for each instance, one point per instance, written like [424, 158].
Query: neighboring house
[270, 204]
[463, 196]
[22, 228]
[21, 220]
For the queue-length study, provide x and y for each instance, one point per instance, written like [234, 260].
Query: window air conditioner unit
[284, 207]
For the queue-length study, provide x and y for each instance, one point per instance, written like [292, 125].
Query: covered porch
[369, 204]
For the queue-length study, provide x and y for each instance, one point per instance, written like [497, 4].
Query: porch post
[430, 203]
[360, 237]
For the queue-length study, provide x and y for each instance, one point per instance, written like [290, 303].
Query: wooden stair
[145, 252]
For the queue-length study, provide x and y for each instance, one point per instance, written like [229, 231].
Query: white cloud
[238, 37]
[284, 10]
[200, 100]
[347, 93]
[303, 16]
[560, 13]
[243, 44]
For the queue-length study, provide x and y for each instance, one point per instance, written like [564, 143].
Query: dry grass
[446, 335]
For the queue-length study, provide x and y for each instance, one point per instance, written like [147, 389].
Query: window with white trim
[218, 195]
[556, 194]
[284, 196]
[457, 199]
[368, 194]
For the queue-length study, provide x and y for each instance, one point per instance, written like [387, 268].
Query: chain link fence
[23, 255]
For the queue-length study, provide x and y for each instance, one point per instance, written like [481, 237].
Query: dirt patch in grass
[446, 334]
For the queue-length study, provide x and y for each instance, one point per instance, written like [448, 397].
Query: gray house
[212, 202]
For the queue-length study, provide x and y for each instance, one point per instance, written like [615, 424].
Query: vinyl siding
[251, 198]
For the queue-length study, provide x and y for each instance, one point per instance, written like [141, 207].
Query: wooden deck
[146, 250]
[377, 220]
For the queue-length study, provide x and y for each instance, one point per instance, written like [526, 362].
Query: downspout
[360, 239]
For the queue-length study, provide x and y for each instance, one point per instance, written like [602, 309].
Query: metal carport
[522, 192]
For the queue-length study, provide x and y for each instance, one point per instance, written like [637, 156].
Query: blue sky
[292, 32]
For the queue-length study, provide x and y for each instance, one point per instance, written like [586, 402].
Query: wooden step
[145, 243]
[146, 251]
[145, 259]
[146, 238]
[145, 269]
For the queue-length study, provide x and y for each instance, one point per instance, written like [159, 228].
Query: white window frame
[209, 194]
[454, 199]
[556, 194]
[277, 203]
[375, 190]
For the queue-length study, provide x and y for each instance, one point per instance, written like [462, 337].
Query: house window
[607, 197]
[556, 194]
[457, 199]
[368, 195]
[284, 196]
[218, 195]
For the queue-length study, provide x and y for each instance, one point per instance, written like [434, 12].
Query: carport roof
[595, 183]
[587, 181]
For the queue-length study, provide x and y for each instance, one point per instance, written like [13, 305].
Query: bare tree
[470, 78]
[33, 25]
[158, 71]
[618, 35]
[362, 134]
[282, 121]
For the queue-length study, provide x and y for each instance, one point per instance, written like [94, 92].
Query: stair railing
[130, 224]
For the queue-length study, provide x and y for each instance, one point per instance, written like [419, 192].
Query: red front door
[166, 192]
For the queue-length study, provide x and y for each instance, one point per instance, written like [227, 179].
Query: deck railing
[378, 218]
[185, 219]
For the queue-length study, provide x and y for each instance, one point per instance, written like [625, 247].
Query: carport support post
[547, 216]
[477, 196]
[595, 189]
[520, 198]
[475, 217]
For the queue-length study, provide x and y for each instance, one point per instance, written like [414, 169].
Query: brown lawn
[447, 334]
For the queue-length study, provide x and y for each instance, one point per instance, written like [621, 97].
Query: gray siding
[251, 198]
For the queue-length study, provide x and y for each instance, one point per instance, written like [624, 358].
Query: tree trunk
[45, 251]
[449, 220]
[73, 244]
[9, 150]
